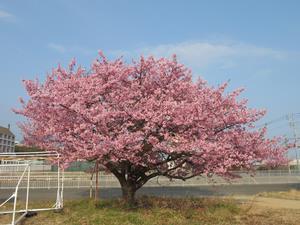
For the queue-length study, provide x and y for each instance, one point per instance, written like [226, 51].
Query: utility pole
[292, 124]
[286, 141]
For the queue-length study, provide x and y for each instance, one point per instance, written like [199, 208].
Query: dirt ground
[270, 202]
[269, 209]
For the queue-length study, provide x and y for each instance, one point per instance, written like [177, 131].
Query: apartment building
[7, 140]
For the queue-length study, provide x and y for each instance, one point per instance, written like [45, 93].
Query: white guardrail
[48, 180]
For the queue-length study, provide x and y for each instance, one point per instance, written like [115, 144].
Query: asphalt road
[221, 190]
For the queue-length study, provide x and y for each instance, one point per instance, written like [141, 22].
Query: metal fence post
[48, 182]
[28, 185]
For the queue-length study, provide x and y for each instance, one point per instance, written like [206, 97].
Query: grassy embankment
[165, 211]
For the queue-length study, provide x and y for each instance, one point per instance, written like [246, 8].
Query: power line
[279, 119]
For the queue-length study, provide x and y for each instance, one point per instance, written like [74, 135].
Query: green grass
[159, 211]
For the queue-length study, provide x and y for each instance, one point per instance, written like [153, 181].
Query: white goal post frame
[31, 156]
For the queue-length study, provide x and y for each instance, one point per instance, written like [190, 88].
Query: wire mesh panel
[15, 174]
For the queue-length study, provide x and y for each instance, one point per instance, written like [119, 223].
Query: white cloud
[204, 53]
[201, 53]
[6, 16]
[57, 47]
[82, 50]
[70, 49]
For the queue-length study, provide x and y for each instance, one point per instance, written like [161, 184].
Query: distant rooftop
[5, 130]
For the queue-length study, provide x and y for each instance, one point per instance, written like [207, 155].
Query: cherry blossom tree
[143, 120]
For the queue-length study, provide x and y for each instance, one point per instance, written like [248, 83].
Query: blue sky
[254, 44]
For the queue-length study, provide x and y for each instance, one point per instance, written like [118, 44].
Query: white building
[7, 140]
[294, 162]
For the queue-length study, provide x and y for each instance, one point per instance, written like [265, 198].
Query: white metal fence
[48, 180]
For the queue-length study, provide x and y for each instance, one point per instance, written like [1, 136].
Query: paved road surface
[224, 190]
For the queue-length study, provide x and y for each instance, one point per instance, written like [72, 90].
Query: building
[7, 140]
[294, 164]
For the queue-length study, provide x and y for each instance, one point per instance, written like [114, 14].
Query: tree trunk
[130, 178]
[128, 193]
